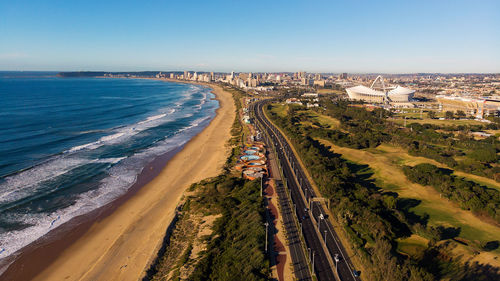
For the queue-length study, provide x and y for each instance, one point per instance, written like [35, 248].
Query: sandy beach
[122, 245]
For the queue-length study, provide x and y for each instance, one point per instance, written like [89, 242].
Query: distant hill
[103, 73]
[82, 74]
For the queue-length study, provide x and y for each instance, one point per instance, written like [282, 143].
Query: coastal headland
[122, 245]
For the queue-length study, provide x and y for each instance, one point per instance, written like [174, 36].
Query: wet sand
[123, 239]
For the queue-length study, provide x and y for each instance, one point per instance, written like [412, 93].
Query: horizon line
[208, 71]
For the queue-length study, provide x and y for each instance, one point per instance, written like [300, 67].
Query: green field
[413, 246]
[385, 163]
[280, 109]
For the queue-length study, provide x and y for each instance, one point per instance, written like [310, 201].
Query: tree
[461, 114]
[484, 154]
[449, 115]
[431, 114]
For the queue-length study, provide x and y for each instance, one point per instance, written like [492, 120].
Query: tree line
[469, 195]
[360, 128]
[371, 218]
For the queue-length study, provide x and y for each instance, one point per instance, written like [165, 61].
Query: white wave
[152, 118]
[24, 184]
[20, 185]
[96, 144]
[195, 123]
[187, 95]
[112, 160]
[124, 133]
[111, 137]
[121, 177]
[202, 101]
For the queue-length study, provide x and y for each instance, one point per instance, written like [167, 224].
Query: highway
[308, 210]
[300, 262]
[299, 259]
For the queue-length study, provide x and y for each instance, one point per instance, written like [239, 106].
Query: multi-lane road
[319, 234]
[299, 258]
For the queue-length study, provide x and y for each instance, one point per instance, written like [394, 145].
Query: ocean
[71, 145]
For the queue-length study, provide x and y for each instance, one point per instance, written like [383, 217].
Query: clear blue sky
[252, 35]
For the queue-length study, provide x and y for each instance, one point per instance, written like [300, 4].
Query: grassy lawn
[325, 120]
[280, 109]
[399, 153]
[413, 246]
[328, 121]
[403, 158]
[385, 163]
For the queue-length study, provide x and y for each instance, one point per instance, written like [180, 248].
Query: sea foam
[120, 176]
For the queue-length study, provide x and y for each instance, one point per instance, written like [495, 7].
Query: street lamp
[313, 261]
[336, 258]
[266, 224]
[320, 218]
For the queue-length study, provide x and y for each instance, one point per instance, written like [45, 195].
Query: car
[355, 273]
[336, 258]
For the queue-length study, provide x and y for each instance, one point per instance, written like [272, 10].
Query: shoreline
[120, 240]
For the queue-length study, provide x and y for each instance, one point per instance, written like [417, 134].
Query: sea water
[71, 145]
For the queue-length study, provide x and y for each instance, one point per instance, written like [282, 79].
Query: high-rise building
[243, 76]
[253, 82]
[212, 76]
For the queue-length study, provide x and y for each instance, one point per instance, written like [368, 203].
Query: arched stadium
[396, 94]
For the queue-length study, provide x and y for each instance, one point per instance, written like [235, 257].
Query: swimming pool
[249, 157]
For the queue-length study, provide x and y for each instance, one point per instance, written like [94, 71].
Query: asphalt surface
[299, 259]
[302, 195]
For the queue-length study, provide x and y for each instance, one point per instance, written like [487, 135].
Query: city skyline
[282, 36]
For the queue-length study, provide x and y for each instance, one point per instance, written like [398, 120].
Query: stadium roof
[369, 91]
[401, 91]
[365, 90]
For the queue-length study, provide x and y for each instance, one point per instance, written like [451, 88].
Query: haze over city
[258, 36]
